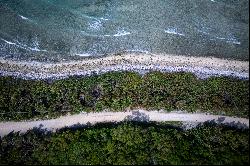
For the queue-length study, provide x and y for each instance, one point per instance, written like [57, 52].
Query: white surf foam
[24, 18]
[230, 39]
[122, 33]
[84, 55]
[8, 42]
[23, 46]
[95, 25]
[173, 31]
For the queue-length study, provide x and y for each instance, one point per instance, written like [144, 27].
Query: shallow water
[71, 29]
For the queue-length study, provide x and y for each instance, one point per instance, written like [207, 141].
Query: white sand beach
[203, 67]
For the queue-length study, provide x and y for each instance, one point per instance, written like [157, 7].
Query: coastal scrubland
[128, 143]
[117, 91]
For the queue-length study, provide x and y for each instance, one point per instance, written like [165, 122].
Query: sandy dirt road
[136, 115]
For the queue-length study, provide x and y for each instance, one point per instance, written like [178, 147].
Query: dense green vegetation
[27, 99]
[128, 143]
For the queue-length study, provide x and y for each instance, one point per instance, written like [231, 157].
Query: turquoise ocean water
[52, 30]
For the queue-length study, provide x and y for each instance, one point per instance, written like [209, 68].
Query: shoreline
[135, 115]
[202, 67]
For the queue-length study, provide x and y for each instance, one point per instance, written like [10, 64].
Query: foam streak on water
[24, 18]
[173, 31]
